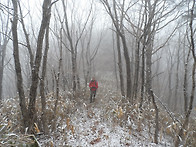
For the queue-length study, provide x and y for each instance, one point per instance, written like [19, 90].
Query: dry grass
[113, 110]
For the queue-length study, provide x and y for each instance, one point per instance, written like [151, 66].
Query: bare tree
[29, 114]
[38, 56]
[176, 95]
[57, 76]
[170, 67]
[180, 136]
[89, 50]
[153, 16]
[42, 82]
[117, 20]
[120, 66]
[28, 45]
[115, 62]
[73, 37]
[18, 65]
[4, 39]
[185, 84]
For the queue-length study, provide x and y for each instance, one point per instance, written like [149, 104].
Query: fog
[167, 42]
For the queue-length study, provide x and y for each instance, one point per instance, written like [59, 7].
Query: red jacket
[93, 85]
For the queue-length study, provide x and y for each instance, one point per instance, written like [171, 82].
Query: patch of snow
[93, 132]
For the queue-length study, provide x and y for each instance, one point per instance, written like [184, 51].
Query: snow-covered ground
[90, 129]
[97, 125]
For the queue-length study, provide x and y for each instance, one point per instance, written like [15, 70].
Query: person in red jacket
[93, 85]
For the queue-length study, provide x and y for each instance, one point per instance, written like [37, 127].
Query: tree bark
[3, 47]
[128, 67]
[185, 84]
[35, 71]
[18, 65]
[176, 96]
[120, 65]
[137, 65]
[27, 39]
[121, 33]
[2, 60]
[156, 134]
[42, 83]
[57, 78]
[142, 76]
[180, 136]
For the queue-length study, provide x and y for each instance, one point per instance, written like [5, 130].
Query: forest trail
[95, 125]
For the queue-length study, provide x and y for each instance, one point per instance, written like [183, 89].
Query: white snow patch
[94, 132]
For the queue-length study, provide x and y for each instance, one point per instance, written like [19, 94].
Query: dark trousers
[92, 96]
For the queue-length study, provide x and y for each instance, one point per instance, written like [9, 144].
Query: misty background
[90, 20]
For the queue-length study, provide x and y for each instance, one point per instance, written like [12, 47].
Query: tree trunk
[137, 65]
[128, 64]
[149, 33]
[142, 76]
[156, 118]
[169, 88]
[180, 136]
[148, 70]
[35, 71]
[72, 50]
[118, 23]
[73, 71]
[115, 62]
[42, 83]
[120, 65]
[18, 66]
[3, 47]
[2, 60]
[176, 96]
[185, 85]
[57, 79]
[27, 39]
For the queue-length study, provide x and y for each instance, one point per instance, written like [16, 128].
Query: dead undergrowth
[111, 110]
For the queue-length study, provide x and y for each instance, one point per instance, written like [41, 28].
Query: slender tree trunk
[2, 60]
[57, 79]
[73, 53]
[18, 66]
[1, 77]
[73, 71]
[35, 71]
[176, 96]
[156, 118]
[170, 70]
[142, 76]
[137, 64]
[150, 92]
[118, 23]
[169, 88]
[120, 65]
[185, 85]
[78, 81]
[42, 83]
[149, 27]
[149, 71]
[128, 66]
[27, 39]
[180, 136]
[115, 62]
[57, 100]
[4, 39]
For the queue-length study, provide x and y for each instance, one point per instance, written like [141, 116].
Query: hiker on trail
[93, 85]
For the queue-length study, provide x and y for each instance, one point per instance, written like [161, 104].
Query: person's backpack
[94, 85]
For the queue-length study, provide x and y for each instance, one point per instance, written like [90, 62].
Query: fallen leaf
[95, 141]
